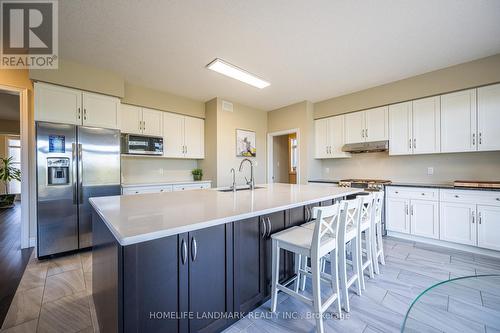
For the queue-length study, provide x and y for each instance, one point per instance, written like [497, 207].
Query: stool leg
[375, 251]
[297, 265]
[380, 244]
[356, 263]
[304, 277]
[315, 268]
[361, 278]
[334, 273]
[343, 277]
[369, 251]
[275, 274]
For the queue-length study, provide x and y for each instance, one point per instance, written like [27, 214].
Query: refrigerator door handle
[73, 171]
[80, 174]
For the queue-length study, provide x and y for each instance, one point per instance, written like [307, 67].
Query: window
[14, 151]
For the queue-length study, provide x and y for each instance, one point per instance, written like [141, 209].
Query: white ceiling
[308, 50]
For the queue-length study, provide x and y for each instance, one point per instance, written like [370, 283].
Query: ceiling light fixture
[222, 67]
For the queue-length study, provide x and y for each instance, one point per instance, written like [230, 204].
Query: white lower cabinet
[165, 187]
[424, 218]
[488, 228]
[187, 187]
[458, 222]
[398, 215]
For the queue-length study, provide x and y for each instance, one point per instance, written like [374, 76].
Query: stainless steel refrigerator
[74, 163]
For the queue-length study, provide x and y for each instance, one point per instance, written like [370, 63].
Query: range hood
[366, 147]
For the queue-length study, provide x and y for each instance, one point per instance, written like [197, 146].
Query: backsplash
[136, 170]
[414, 168]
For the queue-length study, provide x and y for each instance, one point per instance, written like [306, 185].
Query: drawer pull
[497, 199]
[456, 196]
[423, 193]
[396, 192]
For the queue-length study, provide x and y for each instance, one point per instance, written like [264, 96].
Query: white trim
[32, 241]
[27, 178]
[450, 245]
[270, 137]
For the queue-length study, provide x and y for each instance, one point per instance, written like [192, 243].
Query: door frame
[270, 137]
[26, 164]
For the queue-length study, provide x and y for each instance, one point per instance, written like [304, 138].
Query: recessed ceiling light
[220, 66]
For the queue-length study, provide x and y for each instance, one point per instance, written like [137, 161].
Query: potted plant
[197, 174]
[8, 173]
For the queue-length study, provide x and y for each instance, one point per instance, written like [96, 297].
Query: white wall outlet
[430, 171]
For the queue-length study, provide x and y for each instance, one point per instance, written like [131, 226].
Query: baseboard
[438, 242]
[32, 241]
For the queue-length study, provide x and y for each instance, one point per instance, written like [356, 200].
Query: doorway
[283, 157]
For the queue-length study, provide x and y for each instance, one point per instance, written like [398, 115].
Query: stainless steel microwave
[141, 144]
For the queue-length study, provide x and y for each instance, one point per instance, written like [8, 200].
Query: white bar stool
[378, 246]
[313, 243]
[366, 226]
[348, 233]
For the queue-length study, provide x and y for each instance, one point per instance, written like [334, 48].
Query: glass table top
[463, 304]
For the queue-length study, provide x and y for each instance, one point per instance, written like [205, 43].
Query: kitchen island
[192, 261]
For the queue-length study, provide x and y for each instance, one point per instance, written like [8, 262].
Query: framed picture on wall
[245, 143]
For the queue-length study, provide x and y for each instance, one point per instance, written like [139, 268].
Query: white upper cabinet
[376, 124]
[173, 135]
[194, 137]
[184, 137]
[366, 126]
[354, 127]
[488, 117]
[426, 126]
[58, 104]
[321, 138]
[329, 137]
[100, 110]
[71, 106]
[152, 122]
[131, 119]
[400, 136]
[137, 120]
[458, 121]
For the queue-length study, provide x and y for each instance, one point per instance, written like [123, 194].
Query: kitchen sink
[241, 188]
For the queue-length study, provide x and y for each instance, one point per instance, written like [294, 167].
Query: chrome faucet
[250, 182]
[233, 186]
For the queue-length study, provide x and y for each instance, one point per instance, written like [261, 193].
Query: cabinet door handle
[194, 249]
[79, 114]
[411, 210]
[264, 228]
[406, 209]
[366, 132]
[409, 143]
[480, 138]
[268, 227]
[414, 143]
[307, 214]
[84, 114]
[473, 139]
[362, 133]
[480, 218]
[184, 251]
[473, 217]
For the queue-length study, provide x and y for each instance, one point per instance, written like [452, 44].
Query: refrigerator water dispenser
[58, 170]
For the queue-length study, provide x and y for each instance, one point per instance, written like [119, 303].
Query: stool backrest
[349, 216]
[327, 224]
[378, 205]
[366, 206]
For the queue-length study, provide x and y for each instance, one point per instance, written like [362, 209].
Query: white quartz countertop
[175, 182]
[143, 217]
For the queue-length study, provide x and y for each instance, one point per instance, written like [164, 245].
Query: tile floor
[53, 296]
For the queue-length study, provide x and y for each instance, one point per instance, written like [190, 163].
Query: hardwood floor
[54, 296]
[13, 260]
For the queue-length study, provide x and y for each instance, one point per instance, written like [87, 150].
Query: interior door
[130, 120]
[57, 214]
[100, 110]
[426, 126]
[321, 143]
[354, 127]
[208, 278]
[377, 124]
[57, 104]
[152, 122]
[98, 173]
[173, 135]
[400, 136]
[488, 227]
[424, 218]
[398, 215]
[249, 264]
[458, 121]
[458, 223]
[488, 117]
[194, 137]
